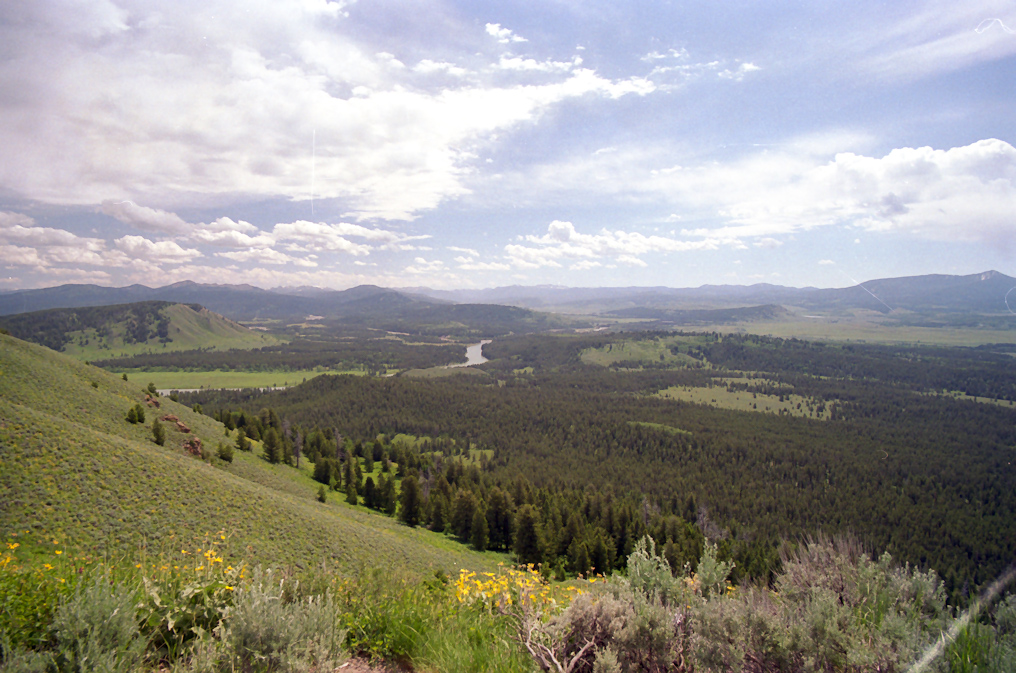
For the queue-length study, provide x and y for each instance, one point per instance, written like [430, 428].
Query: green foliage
[411, 502]
[95, 384]
[322, 494]
[242, 443]
[132, 415]
[225, 452]
[478, 535]
[151, 389]
[528, 545]
[95, 629]
[158, 432]
[272, 446]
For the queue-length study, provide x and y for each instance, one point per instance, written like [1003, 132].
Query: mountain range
[985, 292]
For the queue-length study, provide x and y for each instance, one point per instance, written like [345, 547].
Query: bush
[158, 432]
[225, 452]
[96, 628]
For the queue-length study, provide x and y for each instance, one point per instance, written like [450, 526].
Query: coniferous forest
[569, 464]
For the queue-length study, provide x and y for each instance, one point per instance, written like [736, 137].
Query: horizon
[492, 288]
[335, 143]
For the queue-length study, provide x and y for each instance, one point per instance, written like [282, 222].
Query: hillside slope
[97, 332]
[72, 469]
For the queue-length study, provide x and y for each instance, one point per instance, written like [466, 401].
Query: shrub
[158, 432]
[96, 628]
[322, 495]
[225, 452]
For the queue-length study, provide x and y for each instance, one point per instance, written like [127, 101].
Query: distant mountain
[981, 292]
[95, 332]
[377, 306]
[239, 302]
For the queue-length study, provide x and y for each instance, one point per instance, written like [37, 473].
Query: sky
[465, 144]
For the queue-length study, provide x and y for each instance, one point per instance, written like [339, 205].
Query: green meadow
[72, 469]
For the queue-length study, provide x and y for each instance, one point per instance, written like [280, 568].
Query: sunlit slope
[72, 468]
[100, 332]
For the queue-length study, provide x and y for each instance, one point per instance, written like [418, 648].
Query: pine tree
[462, 514]
[528, 546]
[158, 432]
[132, 416]
[139, 411]
[370, 494]
[351, 496]
[411, 502]
[242, 444]
[478, 533]
[225, 452]
[272, 446]
[438, 512]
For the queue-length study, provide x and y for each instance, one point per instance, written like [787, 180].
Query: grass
[718, 396]
[188, 329]
[74, 470]
[660, 426]
[865, 330]
[646, 351]
[217, 378]
[440, 372]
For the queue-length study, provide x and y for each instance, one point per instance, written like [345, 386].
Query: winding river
[474, 355]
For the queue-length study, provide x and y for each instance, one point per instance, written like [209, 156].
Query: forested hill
[150, 326]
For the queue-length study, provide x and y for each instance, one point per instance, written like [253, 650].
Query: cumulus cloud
[465, 251]
[145, 218]
[563, 242]
[267, 256]
[185, 102]
[422, 266]
[139, 247]
[503, 35]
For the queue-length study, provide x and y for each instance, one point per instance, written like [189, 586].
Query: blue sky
[471, 144]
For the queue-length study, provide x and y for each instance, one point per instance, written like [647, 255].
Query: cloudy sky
[455, 143]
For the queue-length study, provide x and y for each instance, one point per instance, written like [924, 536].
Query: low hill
[129, 329]
[73, 470]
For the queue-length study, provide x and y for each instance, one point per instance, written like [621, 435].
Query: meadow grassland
[188, 380]
[645, 351]
[189, 329]
[73, 469]
[719, 396]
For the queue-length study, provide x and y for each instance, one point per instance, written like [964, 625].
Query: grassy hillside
[98, 332]
[73, 469]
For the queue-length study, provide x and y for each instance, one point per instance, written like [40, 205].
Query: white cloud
[266, 256]
[768, 242]
[190, 102]
[467, 264]
[427, 67]
[503, 35]
[465, 251]
[139, 247]
[422, 266]
[738, 73]
[146, 219]
[563, 241]
[826, 262]
[518, 63]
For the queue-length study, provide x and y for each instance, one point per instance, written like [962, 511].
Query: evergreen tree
[438, 512]
[388, 497]
[370, 494]
[411, 502]
[462, 514]
[158, 432]
[132, 416]
[478, 531]
[242, 443]
[322, 494]
[578, 557]
[528, 546]
[139, 411]
[272, 446]
[351, 496]
[499, 519]
[225, 452]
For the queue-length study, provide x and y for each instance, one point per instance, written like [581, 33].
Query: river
[474, 355]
